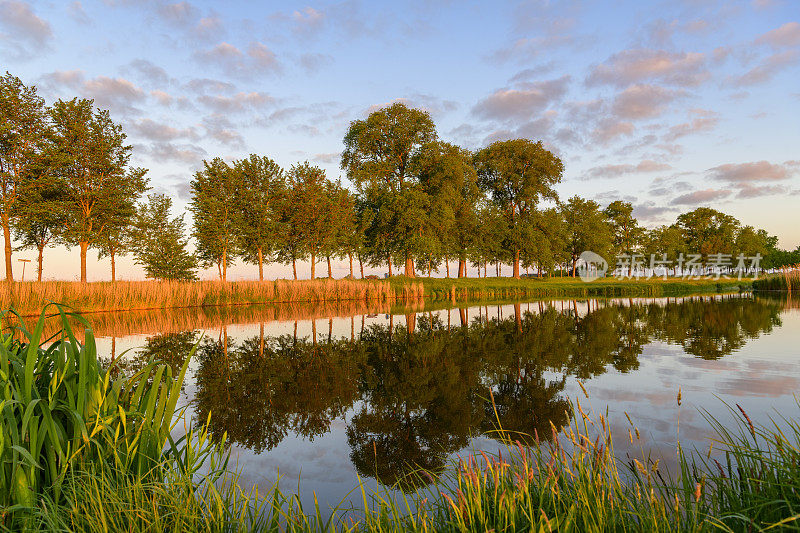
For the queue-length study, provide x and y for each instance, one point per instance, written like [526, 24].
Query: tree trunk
[84, 246]
[7, 236]
[350, 256]
[462, 268]
[260, 265]
[361, 267]
[516, 264]
[390, 266]
[313, 265]
[447, 267]
[484, 269]
[294, 268]
[330, 272]
[409, 265]
[41, 261]
[224, 264]
[113, 267]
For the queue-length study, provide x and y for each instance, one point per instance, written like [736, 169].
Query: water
[321, 395]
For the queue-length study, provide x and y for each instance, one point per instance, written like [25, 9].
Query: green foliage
[628, 235]
[90, 160]
[159, 243]
[708, 231]
[63, 413]
[260, 190]
[588, 229]
[517, 175]
[214, 215]
[23, 145]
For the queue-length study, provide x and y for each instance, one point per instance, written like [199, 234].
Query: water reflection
[412, 394]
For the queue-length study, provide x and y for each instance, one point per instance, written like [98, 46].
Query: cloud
[236, 103]
[328, 159]
[24, 32]
[156, 131]
[650, 211]
[609, 129]
[787, 35]
[151, 73]
[613, 171]
[179, 153]
[701, 197]
[314, 62]
[752, 191]
[178, 13]
[308, 20]
[521, 104]
[207, 85]
[77, 13]
[222, 130]
[118, 95]
[737, 173]
[258, 60]
[767, 68]
[643, 101]
[704, 120]
[637, 65]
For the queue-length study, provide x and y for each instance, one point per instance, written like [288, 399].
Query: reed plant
[788, 279]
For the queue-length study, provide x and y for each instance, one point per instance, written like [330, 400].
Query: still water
[319, 395]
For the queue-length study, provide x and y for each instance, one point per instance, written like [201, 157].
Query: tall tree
[379, 159]
[517, 174]
[23, 128]
[92, 164]
[258, 196]
[588, 229]
[311, 217]
[627, 233]
[41, 220]
[214, 214]
[448, 177]
[708, 231]
[115, 238]
[159, 241]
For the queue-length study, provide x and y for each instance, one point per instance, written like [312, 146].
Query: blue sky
[668, 105]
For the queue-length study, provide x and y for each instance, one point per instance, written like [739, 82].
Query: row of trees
[65, 178]
[424, 202]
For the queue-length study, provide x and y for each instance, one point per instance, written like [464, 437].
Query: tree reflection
[419, 391]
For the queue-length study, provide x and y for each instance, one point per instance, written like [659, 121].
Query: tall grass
[787, 280]
[85, 450]
[29, 297]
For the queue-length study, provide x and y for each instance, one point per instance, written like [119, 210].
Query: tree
[92, 164]
[40, 220]
[311, 219]
[379, 159]
[708, 231]
[665, 241]
[627, 234]
[448, 177]
[115, 238]
[159, 243]
[517, 174]
[260, 188]
[23, 130]
[214, 214]
[587, 229]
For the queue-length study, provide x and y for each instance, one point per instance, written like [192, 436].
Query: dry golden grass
[29, 297]
[792, 277]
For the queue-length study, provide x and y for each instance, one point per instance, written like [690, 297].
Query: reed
[787, 280]
[29, 297]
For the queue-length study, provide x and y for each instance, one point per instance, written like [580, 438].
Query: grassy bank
[29, 297]
[494, 288]
[786, 281]
[85, 448]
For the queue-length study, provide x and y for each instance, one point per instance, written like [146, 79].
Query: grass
[86, 449]
[455, 289]
[29, 297]
[787, 281]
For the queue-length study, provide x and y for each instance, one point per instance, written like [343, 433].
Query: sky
[668, 105]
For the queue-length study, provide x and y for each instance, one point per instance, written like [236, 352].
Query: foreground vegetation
[88, 448]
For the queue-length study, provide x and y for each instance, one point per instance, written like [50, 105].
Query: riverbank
[28, 298]
[786, 281]
[133, 475]
[495, 288]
